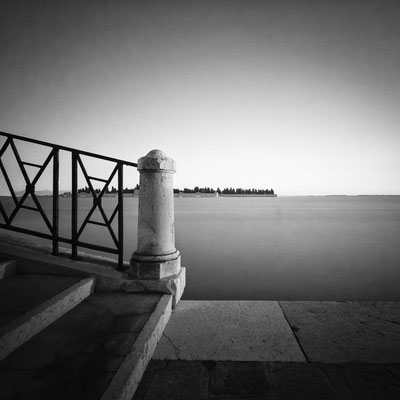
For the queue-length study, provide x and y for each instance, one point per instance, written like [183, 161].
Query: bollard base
[154, 267]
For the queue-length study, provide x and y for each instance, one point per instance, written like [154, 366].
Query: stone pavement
[339, 332]
[228, 330]
[277, 350]
[268, 380]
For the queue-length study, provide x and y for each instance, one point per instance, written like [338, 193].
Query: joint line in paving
[294, 333]
[176, 349]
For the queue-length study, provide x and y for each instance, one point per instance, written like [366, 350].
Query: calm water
[336, 248]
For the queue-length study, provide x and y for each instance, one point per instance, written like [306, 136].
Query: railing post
[56, 173]
[156, 256]
[74, 208]
[120, 214]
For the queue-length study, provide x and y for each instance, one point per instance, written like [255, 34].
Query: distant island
[226, 191]
[113, 190]
[186, 192]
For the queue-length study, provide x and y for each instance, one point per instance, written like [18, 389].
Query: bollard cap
[156, 160]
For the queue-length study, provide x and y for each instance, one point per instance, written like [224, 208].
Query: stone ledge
[174, 285]
[128, 376]
[155, 267]
[34, 258]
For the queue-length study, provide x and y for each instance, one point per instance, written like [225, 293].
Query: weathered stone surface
[238, 379]
[146, 381]
[21, 293]
[157, 269]
[35, 258]
[301, 381]
[177, 287]
[228, 330]
[32, 259]
[364, 381]
[156, 232]
[177, 380]
[128, 376]
[331, 331]
[7, 268]
[77, 356]
[368, 382]
[174, 285]
[125, 323]
[74, 333]
[277, 381]
[123, 304]
[119, 343]
[38, 318]
[156, 160]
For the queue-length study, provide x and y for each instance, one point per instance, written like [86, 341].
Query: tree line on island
[113, 190]
[196, 189]
[229, 190]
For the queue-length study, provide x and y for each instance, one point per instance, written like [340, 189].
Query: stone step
[98, 350]
[30, 303]
[7, 267]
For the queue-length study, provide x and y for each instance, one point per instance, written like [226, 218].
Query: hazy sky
[302, 96]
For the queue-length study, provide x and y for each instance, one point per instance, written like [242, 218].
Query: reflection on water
[309, 248]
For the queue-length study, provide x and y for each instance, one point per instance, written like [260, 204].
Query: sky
[300, 96]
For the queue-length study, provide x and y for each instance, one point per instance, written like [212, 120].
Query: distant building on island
[196, 194]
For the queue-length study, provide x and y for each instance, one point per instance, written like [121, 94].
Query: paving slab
[229, 330]
[331, 381]
[367, 381]
[177, 379]
[304, 381]
[330, 331]
[238, 379]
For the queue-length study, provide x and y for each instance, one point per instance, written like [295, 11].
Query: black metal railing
[52, 224]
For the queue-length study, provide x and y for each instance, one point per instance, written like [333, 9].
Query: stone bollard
[156, 256]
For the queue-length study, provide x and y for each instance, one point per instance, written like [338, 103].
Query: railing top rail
[65, 148]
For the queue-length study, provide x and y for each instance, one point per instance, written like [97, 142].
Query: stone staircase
[61, 338]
